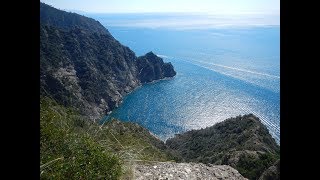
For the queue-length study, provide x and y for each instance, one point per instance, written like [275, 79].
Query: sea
[225, 68]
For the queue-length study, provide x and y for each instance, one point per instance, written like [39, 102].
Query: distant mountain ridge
[83, 66]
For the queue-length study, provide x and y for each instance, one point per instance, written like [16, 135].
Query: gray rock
[181, 171]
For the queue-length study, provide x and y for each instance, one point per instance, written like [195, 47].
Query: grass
[72, 147]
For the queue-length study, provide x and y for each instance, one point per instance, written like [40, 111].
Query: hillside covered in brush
[72, 147]
[242, 142]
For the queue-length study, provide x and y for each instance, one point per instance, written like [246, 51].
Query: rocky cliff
[83, 66]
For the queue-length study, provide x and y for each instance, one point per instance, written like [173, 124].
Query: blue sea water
[221, 73]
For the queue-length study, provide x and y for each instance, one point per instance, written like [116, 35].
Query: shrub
[252, 167]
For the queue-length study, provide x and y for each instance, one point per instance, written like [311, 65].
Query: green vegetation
[242, 142]
[67, 151]
[67, 20]
[72, 147]
[252, 167]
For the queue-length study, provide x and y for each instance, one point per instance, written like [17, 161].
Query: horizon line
[274, 13]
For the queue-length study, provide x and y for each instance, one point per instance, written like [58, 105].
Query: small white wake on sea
[264, 80]
[163, 56]
[243, 70]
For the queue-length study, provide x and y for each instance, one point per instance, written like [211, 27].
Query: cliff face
[242, 142]
[89, 71]
[83, 66]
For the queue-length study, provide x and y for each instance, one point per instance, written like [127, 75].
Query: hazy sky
[202, 6]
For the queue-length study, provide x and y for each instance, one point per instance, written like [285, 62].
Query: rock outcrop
[83, 66]
[152, 67]
[184, 171]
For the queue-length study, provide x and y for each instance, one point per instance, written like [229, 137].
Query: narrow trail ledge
[190, 171]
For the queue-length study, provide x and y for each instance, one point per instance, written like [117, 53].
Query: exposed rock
[185, 171]
[168, 70]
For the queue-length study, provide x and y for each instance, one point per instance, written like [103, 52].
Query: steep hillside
[89, 71]
[242, 142]
[83, 66]
[71, 147]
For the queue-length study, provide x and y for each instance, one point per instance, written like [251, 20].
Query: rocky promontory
[242, 142]
[151, 67]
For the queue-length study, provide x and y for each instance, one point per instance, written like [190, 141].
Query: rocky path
[190, 171]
